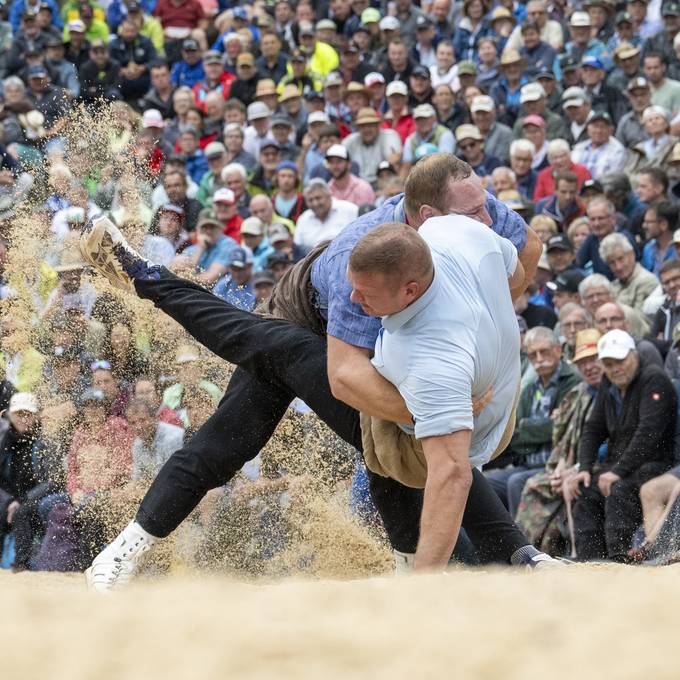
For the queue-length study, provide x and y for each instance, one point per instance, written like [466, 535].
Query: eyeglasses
[469, 145]
[100, 365]
[574, 324]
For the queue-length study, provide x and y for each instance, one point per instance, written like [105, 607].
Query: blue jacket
[197, 166]
[541, 58]
[589, 252]
[648, 260]
[118, 10]
[183, 74]
[465, 43]
[242, 297]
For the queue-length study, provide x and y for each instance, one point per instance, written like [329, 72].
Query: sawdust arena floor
[600, 622]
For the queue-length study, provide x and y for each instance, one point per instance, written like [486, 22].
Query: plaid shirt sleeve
[507, 223]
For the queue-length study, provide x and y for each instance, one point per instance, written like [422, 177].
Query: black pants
[26, 526]
[278, 361]
[604, 527]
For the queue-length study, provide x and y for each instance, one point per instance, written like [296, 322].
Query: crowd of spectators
[259, 129]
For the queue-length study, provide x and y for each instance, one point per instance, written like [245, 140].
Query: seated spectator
[657, 147]
[226, 211]
[145, 389]
[263, 285]
[630, 130]
[564, 289]
[71, 291]
[176, 186]
[283, 134]
[189, 375]
[506, 91]
[560, 161]
[257, 133]
[196, 164]
[545, 228]
[155, 441]
[602, 218]
[189, 70]
[253, 234]
[344, 185]
[604, 98]
[539, 55]
[635, 411]
[503, 179]
[659, 224]
[216, 157]
[236, 287]
[533, 128]
[235, 178]
[602, 152]
[668, 315]
[243, 88]
[612, 316]
[121, 351]
[262, 179]
[497, 137]
[159, 96]
[288, 201]
[216, 79]
[541, 512]
[135, 54]
[64, 73]
[471, 145]
[595, 290]
[77, 46]
[116, 392]
[522, 153]
[428, 130]
[182, 103]
[101, 436]
[561, 256]
[632, 284]
[531, 442]
[398, 117]
[261, 206]
[27, 475]
[578, 232]
[209, 258]
[564, 206]
[281, 240]
[325, 217]
[370, 145]
[99, 75]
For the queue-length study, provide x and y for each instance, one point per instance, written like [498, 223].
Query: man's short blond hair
[427, 181]
[394, 250]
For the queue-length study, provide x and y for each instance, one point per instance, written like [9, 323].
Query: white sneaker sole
[96, 246]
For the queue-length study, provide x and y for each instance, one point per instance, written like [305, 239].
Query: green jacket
[532, 434]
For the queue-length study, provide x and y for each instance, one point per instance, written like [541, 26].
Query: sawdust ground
[583, 622]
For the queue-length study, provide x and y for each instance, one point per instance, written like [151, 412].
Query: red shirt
[404, 126]
[545, 182]
[233, 228]
[202, 89]
[186, 15]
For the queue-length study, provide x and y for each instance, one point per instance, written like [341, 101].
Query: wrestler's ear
[427, 211]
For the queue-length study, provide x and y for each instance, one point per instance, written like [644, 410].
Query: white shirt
[310, 230]
[459, 338]
[252, 141]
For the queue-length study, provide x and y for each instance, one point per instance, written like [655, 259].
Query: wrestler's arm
[354, 380]
[528, 258]
[449, 477]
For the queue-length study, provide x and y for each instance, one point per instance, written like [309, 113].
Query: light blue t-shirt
[459, 338]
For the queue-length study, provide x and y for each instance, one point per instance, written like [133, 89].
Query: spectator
[576, 105]
[236, 287]
[282, 132]
[234, 138]
[428, 130]
[262, 179]
[259, 121]
[572, 317]
[538, 54]
[194, 158]
[666, 317]
[134, 53]
[281, 240]
[287, 200]
[603, 97]
[444, 71]
[561, 257]
[506, 92]
[560, 162]
[243, 88]
[522, 153]
[635, 409]
[176, 188]
[324, 218]
[166, 237]
[226, 211]
[160, 95]
[551, 31]
[531, 442]
[261, 206]
[602, 153]
[99, 75]
[632, 284]
[370, 145]
[657, 147]
[253, 233]
[533, 128]
[564, 206]
[344, 185]
[660, 222]
[628, 67]
[665, 91]
[497, 137]
[398, 117]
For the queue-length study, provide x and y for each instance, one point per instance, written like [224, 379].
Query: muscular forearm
[529, 260]
[448, 482]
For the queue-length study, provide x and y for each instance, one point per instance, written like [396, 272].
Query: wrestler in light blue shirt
[459, 338]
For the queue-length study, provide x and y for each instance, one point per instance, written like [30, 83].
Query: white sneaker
[403, 562]
[114, 567]
[105, 248]
[543, 561]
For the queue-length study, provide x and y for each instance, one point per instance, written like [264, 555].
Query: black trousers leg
[589, 517]
[279, 361]
[26, 524]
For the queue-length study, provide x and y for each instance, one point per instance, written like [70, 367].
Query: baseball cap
[23, 401]
[242, 256]
[397, 87]
[568, 63]
[212, 57]
[482, 102]
[533, 120]
[385, 165]
[281, 119]
[566, 282]
[389, 24]
[326, 24]
[580, 19]
[559, 242]
[240, 13]
[269, 142]
[207, 218]
[277, 232]
[373, 79]
[287, 165]
[616, 344]
[252, 226]
[592, 62]
[318, 117]
[601, 115]
[214, 150]
[54, 41]
[421, 71]
[224, 195]
[172, 208]
[423, 21]
[424, 111]
[337, 151]
[574, 96]
[468, 132]
[306, 28]
[672, 9]
[263, 277]
[278, 257]
[257, 110]
[467, 68]
[313, 94]
[190, 45]
[370, 16]
[592, 184]
[531, 92]
[37, 71]
[586, 344]
[152, 118]
[245, 58]
[545, 74]
[639, 83]
[333, 79]
[76, 26]
[425, 149]
[623, 18]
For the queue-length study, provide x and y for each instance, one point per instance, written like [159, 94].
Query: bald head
[610, 316]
